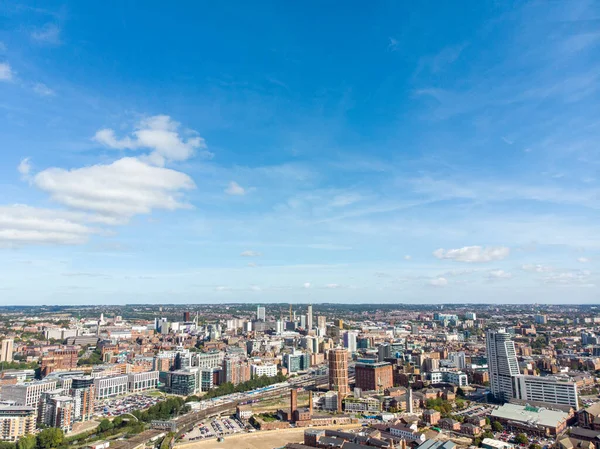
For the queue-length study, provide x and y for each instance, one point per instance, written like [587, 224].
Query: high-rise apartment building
[458, 359]
[309, 317]
[56, 410]
[260, 313]
[6, 350]
[16, 422]
[235, 370]
[322, 322]
[350, 341]
[338, 371]
[83, 393]
[502, 363]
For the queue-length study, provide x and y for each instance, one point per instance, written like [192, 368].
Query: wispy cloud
[250, 253]
[6, 72]
[43, 90]
[473, 254]
[235, 189]
[48, 34]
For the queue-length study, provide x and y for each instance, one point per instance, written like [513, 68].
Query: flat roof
[541, 416]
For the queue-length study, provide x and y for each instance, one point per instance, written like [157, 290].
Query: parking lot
[509, 437]
[214, 428]
[125, 404]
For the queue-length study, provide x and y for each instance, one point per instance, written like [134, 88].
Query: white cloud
[252, 264]
[235, 189]
[499, 274]
[120, 190]
[48, 34]
[6, 73]
[407, 257]
[438, 282]
[584, 260]
[333, 286]
[392, 44]
[255, 288]
[158, 133]
[306, 285]
[576, 277]
[24, 225]
[473, 254]
[249, 253]
[537, 268]
[43, 90]
[24, 167]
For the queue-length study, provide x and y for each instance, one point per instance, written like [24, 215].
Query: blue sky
[302, 152]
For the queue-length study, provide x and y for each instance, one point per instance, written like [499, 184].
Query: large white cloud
[25, 225]
[473, 254]
[125, 188]
[160, 134]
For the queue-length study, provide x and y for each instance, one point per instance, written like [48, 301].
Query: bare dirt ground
[268, 439]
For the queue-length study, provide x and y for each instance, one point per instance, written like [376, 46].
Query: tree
[487, 434]
[27, 442]
[535, 446]
[521, 438]
[50, 438]
[487, 421]
[497, 427]
[117, 422]
[105, 425]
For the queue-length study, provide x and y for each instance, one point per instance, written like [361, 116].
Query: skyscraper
[260, 313]
[350, 341]
[6, 350]
[502, 363]
[309, 317]
[338, 371]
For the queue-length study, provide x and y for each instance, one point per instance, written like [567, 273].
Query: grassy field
[283, 402]
[269, 439]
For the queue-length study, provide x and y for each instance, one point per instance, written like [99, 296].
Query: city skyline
[269, 153]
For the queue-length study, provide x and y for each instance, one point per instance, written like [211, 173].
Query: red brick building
[63, 359]
[374, 376]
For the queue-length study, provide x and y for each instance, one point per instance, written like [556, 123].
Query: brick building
[374, 376]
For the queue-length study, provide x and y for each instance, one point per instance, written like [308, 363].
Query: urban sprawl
[346, 376]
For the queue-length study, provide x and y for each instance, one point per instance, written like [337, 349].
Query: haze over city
[267, 152]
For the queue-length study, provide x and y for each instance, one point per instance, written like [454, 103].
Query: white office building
[142, 381]
[309, 317]
[208, 359]
[107, 387]
[268, 369]
[27, 394]
[502, 363]
[546, 389]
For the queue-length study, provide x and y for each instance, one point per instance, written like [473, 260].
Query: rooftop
[541, 416]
